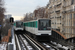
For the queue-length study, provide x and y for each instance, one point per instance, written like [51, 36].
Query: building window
[73, 31]
[72, 2]
[74, 15]
[70, 16]
[74, 8]
[74, 23]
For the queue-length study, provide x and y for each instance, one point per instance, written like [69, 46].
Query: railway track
[36, 45]
[18, 46]
[22, 43]
[55, 46]
[25, 42]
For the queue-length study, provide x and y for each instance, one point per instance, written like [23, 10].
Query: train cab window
[44, 24]
[19, 24]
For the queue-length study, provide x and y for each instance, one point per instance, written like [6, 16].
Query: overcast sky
[20, 7]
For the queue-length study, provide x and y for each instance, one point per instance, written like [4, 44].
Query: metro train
[35, 28]
[38, 28]
[18, 26]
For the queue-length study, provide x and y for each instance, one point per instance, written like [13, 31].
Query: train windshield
[44, 24]
[19, 24]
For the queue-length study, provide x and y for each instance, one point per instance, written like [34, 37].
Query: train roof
[36, 19]
[18, 21]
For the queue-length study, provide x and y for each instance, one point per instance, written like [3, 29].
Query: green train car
[39, 27]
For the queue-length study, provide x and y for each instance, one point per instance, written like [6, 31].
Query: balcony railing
[51, 17]
[64, 5]
[58, 23]
[58, 17]
[50, 7]
[56, 5]
[58, 11]
[52, 23]
[72, 10]
[64, 12]
[51, 12]
[68, 11]
[47, 5]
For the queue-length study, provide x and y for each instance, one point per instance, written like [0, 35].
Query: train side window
[27, 24]
[50, 23]
[30, 24]
[24, 24]
[38, 25]
[33, 24]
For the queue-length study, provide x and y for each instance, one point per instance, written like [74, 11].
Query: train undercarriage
[43, 37]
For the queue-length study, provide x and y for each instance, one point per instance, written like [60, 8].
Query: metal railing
[68, 11]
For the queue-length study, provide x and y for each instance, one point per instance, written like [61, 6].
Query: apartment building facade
[54, 9]
[62, 15]
[68, 21]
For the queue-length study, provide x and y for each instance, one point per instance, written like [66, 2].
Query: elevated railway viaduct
[59, 37]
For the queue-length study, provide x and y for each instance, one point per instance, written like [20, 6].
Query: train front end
[44, 29]
[18, 26]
